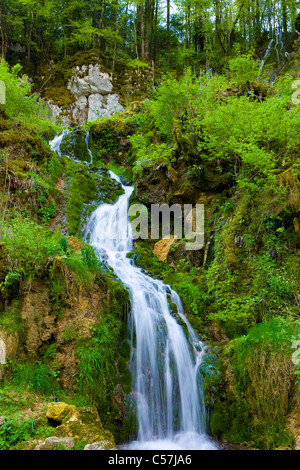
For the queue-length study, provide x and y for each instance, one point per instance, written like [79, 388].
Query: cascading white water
[164, 363]
[56, 142]
[169, 398]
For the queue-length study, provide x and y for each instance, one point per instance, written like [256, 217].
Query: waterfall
[2, 352]
[169, 398]
[269, 48]
[277, 47]
[164, 362]
[56, 142]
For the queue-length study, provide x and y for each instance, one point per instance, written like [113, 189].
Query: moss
[10, 318]
[82, 190]
[90, 57]
[74, 145]
[59, 95]
[58, 411]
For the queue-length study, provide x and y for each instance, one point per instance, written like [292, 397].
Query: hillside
[113, 342]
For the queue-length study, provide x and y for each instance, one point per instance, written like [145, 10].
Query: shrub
[12, 432]
[29, 245]
[265, 376]
[20, 103]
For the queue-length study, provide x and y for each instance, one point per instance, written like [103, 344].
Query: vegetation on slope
[242, 290]
[230, 141]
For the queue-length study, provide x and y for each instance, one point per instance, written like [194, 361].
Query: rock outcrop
[92, 90]
[77, 424]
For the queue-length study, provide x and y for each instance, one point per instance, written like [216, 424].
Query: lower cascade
[167, 389]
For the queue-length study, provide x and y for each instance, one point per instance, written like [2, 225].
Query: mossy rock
[75, 145]
[58, 411]
[84, 424]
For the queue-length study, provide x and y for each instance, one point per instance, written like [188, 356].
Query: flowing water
[167, 387]
[280, 56]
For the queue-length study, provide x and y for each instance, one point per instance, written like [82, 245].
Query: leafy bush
[29, 246]
[20, 103]
[12, 432]
[245, 69]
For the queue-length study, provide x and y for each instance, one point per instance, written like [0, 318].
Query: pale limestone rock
[113, 105]
[102, 445]
[52, 443]
[93, 98]
[94, 82]
[2, 351]
[95, 106]
[100, 106]
[80, 112]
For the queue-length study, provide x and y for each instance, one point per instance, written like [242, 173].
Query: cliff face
[90, 87]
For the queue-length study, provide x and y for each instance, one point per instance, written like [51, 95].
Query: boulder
[82, 424]
[80, 111]
[93, 97]
[95, 104]
[54, 443]
[58, 411]
[103, 445]
[100, 106]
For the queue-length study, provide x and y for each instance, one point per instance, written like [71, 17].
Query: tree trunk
[143, 38]
[168, 31]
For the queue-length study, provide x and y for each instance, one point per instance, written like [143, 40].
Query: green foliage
[21, 104]
[36, 377]
[84, 275]
[10, 318]
[29, 246]
[137, 64]
[97, 375]
[264, 376]
[54, 169]
[12, 432]
[148, 154]
[173, 98]
[244, 70]
[90, 258]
